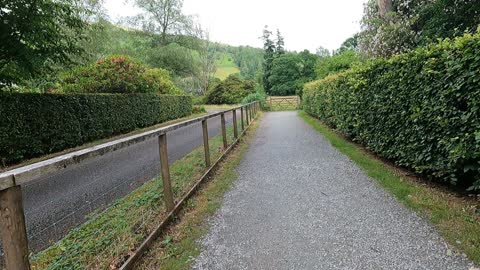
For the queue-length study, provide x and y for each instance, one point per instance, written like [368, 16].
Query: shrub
[420, 109]
[257, 96]
[38, 124]
[230, 91]
[198, 100]
[118, 74]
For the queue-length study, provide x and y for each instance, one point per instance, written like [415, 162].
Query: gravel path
[300, 204]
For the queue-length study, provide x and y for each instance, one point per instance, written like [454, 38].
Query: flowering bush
[118, 74]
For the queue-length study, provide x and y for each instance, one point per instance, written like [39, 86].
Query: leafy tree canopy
[290, 71]
[413, 23]
[36, 35]
[336, 63]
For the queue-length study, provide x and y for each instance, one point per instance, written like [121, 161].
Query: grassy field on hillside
[226, 66]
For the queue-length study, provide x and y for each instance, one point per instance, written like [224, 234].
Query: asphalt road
[300, 204]
[58, 202]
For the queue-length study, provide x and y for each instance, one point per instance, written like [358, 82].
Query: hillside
[226, 66]
[180, 56]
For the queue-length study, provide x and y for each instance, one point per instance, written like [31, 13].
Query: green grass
[176, 249]
[108, 237]
[226, 66]
[221, 107]
[453, 216]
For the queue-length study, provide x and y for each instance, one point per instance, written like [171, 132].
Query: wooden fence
[13, 231]
[279, 103]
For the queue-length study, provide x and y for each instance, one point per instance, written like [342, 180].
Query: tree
[162, 16]
[322, 52]
[280, 44]
[285, 78]
[448, 18]
[351, 44]
[307, 65]
[35, 36]
[392, 27]
[177, 59]
[268, 57]
[208, 67]
[384, 7]
[336, 63]
[249, 60]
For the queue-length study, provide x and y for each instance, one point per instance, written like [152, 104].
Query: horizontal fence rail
[12, 217]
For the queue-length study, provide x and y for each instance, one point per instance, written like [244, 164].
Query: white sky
[305, 24]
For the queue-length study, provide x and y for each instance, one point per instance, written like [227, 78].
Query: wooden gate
[286, 103]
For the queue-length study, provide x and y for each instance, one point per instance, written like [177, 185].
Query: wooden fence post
[13, 230]
[241, 118]
[224, 131]
[246, 115]
[167, 185]
[206, 148]
[235, 128]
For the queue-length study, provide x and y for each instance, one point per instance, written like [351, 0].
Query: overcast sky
[305, 24]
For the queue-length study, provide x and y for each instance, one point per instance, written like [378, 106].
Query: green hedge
[37, 124]
[420, 109]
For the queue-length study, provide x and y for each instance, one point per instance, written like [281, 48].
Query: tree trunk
[384, 7]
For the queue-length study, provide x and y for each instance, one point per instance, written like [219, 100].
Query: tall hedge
[420, 109]
[36, 124]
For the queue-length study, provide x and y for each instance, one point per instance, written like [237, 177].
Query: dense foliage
[338, 62]
[118, 74]
[268, 58]
[36, 124]
[230, 91]
[290, 71]
[420, 109]
[35, 36]
[257, 96]
[413, 23]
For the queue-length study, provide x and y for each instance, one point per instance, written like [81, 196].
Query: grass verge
[455, 217]
[106, 240]
[180, 244]
[221, 107]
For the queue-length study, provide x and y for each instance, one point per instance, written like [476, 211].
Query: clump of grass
[455, 217]
[104, 241]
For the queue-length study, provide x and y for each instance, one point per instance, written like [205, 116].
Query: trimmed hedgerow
[420, 109]
[38, 124]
